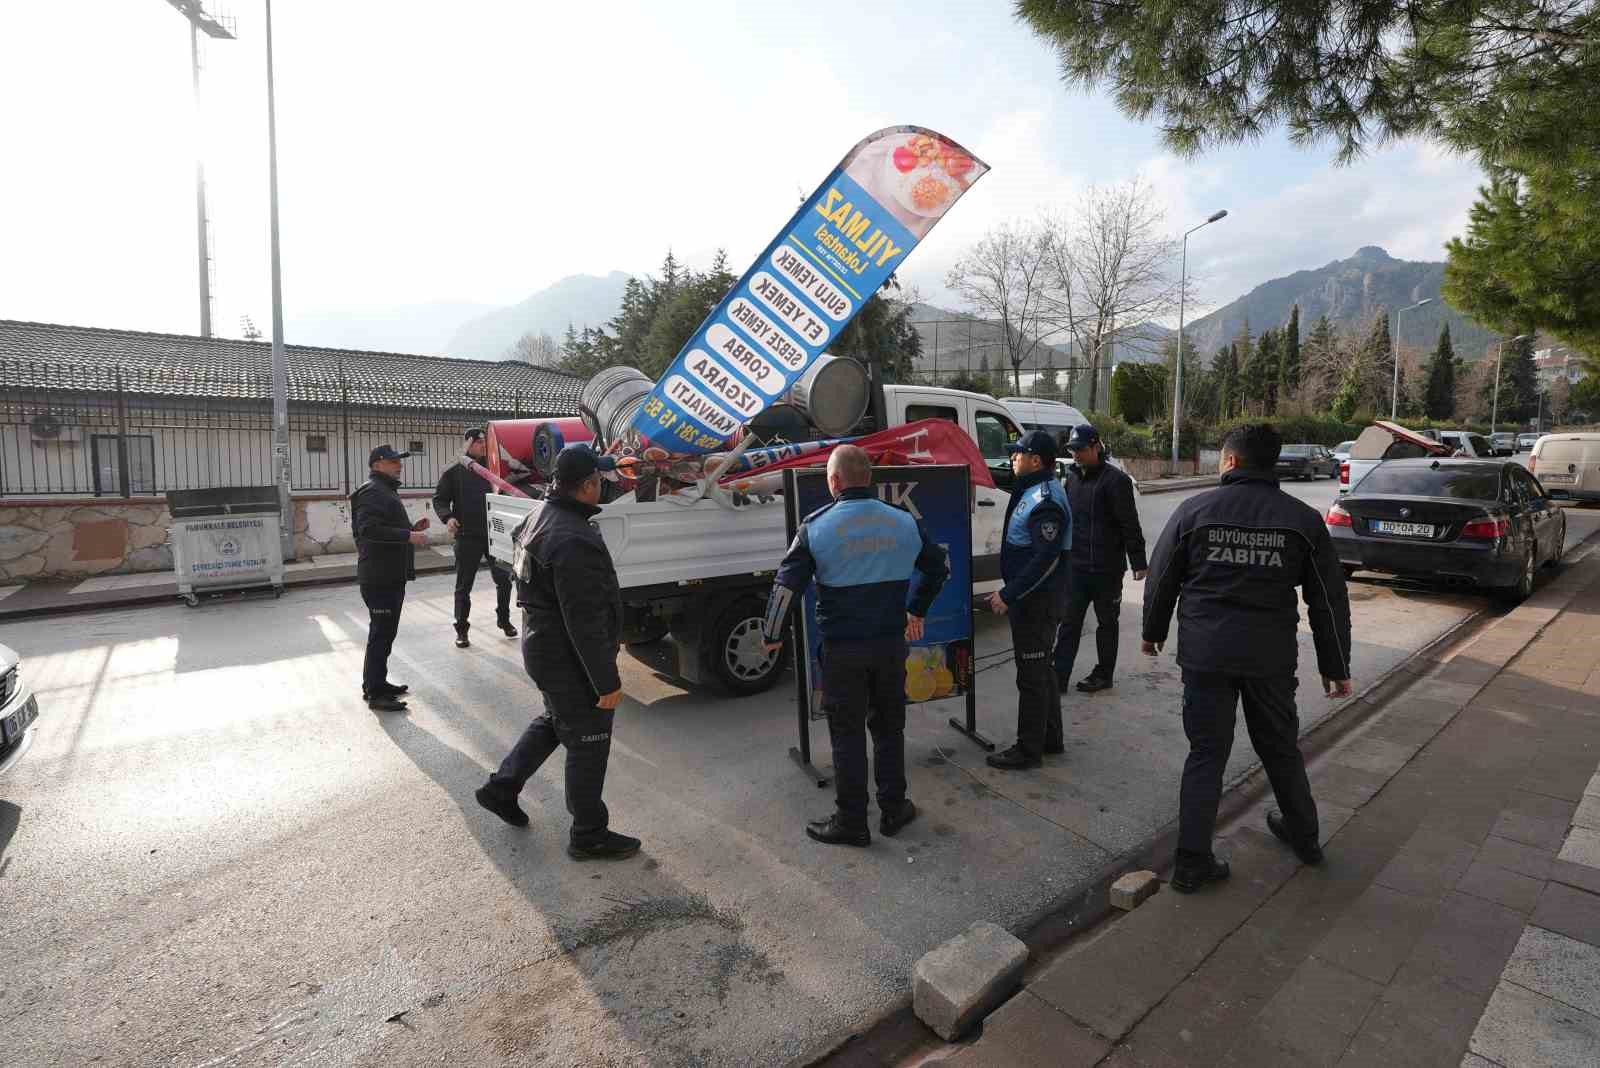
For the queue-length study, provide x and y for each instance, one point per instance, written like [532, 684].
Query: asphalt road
[216, 855]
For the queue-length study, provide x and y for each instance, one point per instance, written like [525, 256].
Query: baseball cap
[1037, 442]
[1083, 436]
[385, 452]
[473, 433]
[577, 462]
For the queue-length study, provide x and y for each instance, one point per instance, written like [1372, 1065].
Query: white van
[1568, 465]
[1053, 416]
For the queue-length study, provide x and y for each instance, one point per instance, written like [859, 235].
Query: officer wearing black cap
[1106, 541]
[862, 552]
[459, 501]
[386, 543]
[1038, 529]
[572, 623]
[1230, 562]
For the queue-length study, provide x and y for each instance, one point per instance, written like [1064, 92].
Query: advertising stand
[938, 666]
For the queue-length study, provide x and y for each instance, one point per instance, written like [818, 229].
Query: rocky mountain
[580, 300]
[1349, 292]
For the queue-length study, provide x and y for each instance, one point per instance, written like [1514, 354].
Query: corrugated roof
[57, 357]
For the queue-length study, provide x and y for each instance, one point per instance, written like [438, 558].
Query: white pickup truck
[700, 573]
[1388, 441]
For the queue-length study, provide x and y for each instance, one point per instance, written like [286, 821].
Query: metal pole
[1177, 371]
[1394, 348]
[280, 367]
[1494, 413]
[123, 486]
[200, 186]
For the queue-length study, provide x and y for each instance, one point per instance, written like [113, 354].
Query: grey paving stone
[1503, 887]
[1419, 709]
[1574, 913]
[1377, 755]
[1317, 1011]
[1427, 865]
[1027, 1033]
[955, 984]
[1577, 875]
[1112, 982]
[1581, 847]
[1444, 687]
[1131, 890]
[1531, 830]
[1588, 813]
[1558, 967]
[1344, 785]
[1376, 933]
[1542, 806]
[1521, 1029]
[1412, 732]
[1469, 942]
[1524, 859]
[1420, 1020]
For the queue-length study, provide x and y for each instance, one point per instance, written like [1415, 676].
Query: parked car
[1341, 451]
[1307, 462]
[18, 710]
[1464, 443]
[1481, 523]
[1503, 443]
[1526, 442]
[1568, 465]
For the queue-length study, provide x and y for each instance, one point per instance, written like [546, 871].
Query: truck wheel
[735, 652]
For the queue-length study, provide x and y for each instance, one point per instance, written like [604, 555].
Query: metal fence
[106, 432]
[970, 352]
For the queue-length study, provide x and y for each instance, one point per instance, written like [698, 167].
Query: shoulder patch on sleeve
[1049, 529]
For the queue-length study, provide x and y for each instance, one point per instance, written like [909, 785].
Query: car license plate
[1408, 530]
[13, 725]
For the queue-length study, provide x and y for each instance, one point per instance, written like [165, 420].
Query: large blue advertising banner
[940, 495]
[803, 290]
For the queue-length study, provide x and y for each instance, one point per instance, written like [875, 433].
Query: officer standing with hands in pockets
[1038, 529]
[1229, 562]
[862, 553]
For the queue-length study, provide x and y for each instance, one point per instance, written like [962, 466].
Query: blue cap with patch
[1037, 442]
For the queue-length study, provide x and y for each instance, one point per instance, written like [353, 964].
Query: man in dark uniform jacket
[459, 501]
[1229, 562]
[1106, 541]
[1037, 531]
[862, 552]
[572, 629]
[386, 544]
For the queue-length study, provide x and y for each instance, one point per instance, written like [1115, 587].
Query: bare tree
[1110, 270]
[1559, 399]
[540, 350]
[1003, 277]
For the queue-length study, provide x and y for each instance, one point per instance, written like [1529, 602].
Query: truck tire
[734, 653]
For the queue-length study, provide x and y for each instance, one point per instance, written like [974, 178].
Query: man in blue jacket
[861, 551]
[1038, 529]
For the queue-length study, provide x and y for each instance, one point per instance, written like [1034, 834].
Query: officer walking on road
[862, 552]
[1106, 541]
[572, 620]
[386, 544]
[459, 501]
[1229, 561]
[1038, 529]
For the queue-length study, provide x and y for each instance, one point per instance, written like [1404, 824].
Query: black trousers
[471, 551]
[571, 720]
[864, 689]
[1033, 635]
[1104, 592]
[1209, 701]
[383, 623]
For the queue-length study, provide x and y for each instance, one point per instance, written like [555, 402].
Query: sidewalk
[1175, 483]
[1456, 919]
[48, 598]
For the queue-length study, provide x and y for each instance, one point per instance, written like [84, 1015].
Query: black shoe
[1054, 749]
[1190, 875]
[890, 822]
[1013, 759]
[507, 629]
[613, 846]
[1308, 852]
[392, 689]
[831, 832]
[509, 811]
[386, 704]
[461, 639]
[1094, 684]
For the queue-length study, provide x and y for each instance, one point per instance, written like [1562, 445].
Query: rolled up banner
[803, 290]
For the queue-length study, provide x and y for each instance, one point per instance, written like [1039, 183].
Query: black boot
[1308, 852]
[831, 832]
[1094, 683]
[1191, 873]
[613, 846]
[507, 629]
[1014, 759]
[509, 811]
[891, 820]
[461, 638]
[384, 703]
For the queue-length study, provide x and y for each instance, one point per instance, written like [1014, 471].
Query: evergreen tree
[1440, 398]
[1318, 359]
[1519, 383]
[1265, 369]
[1347, 399]
[1225, 369]
[1289, 361]
[1377, 358]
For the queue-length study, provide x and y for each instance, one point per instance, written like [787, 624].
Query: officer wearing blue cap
[386, 548]
[572, 629]
[1038, 529]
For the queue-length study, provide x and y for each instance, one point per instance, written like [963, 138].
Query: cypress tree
[1441, 391]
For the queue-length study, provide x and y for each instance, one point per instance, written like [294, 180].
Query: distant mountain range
[579, 300]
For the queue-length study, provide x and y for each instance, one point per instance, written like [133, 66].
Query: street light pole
[1177, 371]
[280, 367]
[1494, 413]
[1394, 393]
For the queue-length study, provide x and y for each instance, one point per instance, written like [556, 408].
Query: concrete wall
[65, 539]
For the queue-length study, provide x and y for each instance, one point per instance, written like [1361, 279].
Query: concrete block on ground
[958, 983]
[1520, 1027]
[1130, 891]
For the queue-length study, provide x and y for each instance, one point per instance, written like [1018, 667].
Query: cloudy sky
[482, 149]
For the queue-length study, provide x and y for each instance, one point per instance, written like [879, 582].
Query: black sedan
[1308, 462]
[1477, 523]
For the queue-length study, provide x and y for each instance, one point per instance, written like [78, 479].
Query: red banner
[927, 441]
